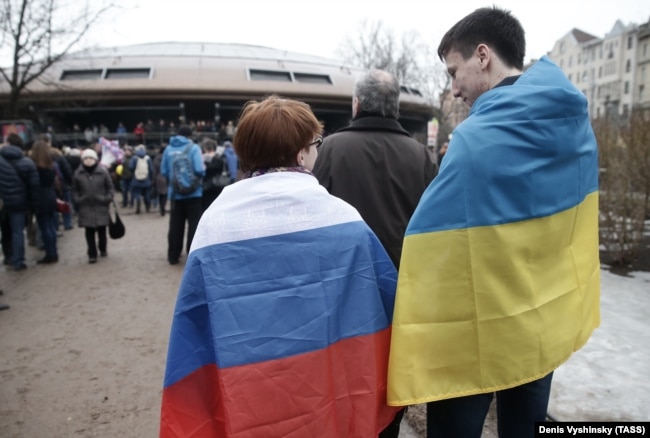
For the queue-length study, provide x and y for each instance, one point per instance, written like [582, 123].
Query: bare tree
[376, 46]
[414, 63]
[35, 34]
[624, 159]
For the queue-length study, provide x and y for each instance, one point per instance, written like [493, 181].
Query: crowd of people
[36, 178]
[332, 282]
[148, 133]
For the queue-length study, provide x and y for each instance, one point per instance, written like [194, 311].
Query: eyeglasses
[317, 142]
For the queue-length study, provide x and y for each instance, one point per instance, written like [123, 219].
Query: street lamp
[181, 107]
[217, 116]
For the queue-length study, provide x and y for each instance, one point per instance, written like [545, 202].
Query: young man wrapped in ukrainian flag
[499, 279]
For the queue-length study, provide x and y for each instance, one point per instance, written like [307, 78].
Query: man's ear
[484, 54]
[355, 106]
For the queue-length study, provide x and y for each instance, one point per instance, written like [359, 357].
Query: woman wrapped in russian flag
[283, 318]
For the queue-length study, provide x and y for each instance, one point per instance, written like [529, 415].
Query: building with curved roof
[196, 81]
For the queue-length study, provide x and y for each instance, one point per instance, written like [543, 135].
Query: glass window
[269, 75]
[312, 78]
[81, 75]
[128, 73]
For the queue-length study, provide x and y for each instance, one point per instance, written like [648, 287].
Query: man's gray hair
[378, 93]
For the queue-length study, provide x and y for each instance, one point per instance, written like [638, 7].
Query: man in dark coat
[19, 188]
[377, 167]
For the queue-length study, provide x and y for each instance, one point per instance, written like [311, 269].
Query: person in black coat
[375, 165]
[41, 153]
[19, 190]
[215, 164]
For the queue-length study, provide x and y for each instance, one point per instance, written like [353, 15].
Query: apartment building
[642, 89]
[610, 71]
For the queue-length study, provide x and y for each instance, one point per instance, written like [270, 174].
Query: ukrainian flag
[282, 324]
[499, 280]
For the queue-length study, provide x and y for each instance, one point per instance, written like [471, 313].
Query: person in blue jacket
[184, 207]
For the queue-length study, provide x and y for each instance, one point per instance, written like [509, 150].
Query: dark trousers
[138, 192]
[518, 409]
[209, 197]
[392, 430]
[13, 239]
[162, 201]
[90, 240]
[125, 185]
[7, 237]
[182, 210]
[46, 223]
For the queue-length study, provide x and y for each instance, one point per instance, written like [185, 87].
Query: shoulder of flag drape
[509, 146]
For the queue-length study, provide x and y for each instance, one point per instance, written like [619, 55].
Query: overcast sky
[318, 27]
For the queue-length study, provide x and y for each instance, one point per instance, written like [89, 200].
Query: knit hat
[141, 150]
[89, 153]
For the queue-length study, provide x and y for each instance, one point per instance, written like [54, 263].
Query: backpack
[217, 175]
[127, 174]
[183, 179]
[142, 168]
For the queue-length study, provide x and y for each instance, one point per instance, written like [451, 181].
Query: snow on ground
[609, 378]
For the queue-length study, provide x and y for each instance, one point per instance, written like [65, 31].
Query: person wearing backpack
[142, 169]
[182, 166]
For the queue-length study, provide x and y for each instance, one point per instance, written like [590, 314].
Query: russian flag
[499, 279]
[283, 319]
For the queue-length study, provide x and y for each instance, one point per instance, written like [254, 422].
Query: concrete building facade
[611, 71]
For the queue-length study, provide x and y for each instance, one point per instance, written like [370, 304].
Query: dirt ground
[83, 346]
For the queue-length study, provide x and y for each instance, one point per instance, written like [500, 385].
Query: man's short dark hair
[378, 93]
[495, 27]
[15, 140]
[185, 131]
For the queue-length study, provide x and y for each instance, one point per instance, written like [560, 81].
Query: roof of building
[199, 49]
[202, 71]
[582, 36]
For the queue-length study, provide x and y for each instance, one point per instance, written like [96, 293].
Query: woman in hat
[92, 191]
